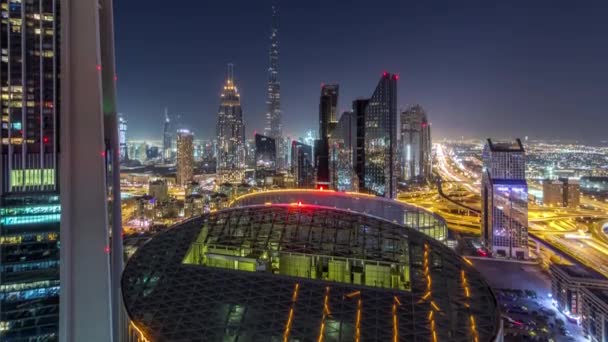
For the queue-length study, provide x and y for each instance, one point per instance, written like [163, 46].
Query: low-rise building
[159, 190]
[562, 192]
[595, 314]
[567, 282]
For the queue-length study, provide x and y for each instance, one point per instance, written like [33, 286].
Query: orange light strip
[396, 302]
[353, 294]
[358, 318]
[326, 312]
[142, 337]
[428, 294]
[358, 321]
[294, 298]
[465, 286]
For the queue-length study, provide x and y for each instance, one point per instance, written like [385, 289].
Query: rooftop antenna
[230, 73]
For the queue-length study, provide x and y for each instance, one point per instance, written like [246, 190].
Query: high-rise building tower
[504, 194]
[273, 126]
[342, 154]
[166, 137]
[265, 152]
[29, 192]
[301, 164]
[185, 157]
[122, 137]
[380, 142]
[328, 104]
[58, 166]
[359, 108]
[265, 157]
[230, 128]
[416, 145]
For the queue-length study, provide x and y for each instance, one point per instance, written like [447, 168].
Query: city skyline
[474, 69]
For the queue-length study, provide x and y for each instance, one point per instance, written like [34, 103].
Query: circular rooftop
[409, 215]
[302, 273]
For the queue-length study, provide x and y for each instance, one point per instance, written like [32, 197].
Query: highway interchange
[575, 232]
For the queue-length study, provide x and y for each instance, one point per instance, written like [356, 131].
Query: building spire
[273, 99]
[230, 73]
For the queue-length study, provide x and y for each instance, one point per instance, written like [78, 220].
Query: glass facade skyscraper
[230, 128]
[166, 137]
[265, 157]
[274, 125]
[122, 137]
[328, 104]
[380, 138]
[185, 157]
[301, 164]
[415, 144]
[29, 188]
[504, 196]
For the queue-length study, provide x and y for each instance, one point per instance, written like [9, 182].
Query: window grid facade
[29, 136]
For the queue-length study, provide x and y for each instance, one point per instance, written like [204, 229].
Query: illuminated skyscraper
[29, 192]
[185, 157]
[122, 137]
[504, 195]
[265, 152]
[301, 165]
[328, 103]
[359, 108]
[380, 138]
[415, 144]
[230, 128]
[342, 154]
[273, 127]
[58, 165]
[166, 137]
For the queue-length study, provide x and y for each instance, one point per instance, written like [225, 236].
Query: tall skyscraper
[328, 104]
[29, 194]
[380, 142]
[504, 195]
[185, 157]
[342, 154]
[416, 145]
[122, 138]
[167, 137]
[301, 164]
[359, 108]
[230, 128]
[274, 127]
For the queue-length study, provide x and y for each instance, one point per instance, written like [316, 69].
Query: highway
[548, 224]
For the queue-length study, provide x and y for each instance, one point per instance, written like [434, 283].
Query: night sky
[486, 68]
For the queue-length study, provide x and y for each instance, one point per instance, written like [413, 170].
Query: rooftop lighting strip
[467, 294]
[358, 317]
[396, 303]
[326, 313]
[294, 298]
[141, 337]
[428, 295]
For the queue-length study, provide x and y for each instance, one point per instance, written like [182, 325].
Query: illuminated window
[32, 177]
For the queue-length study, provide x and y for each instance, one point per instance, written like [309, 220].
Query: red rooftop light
[384, 74]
